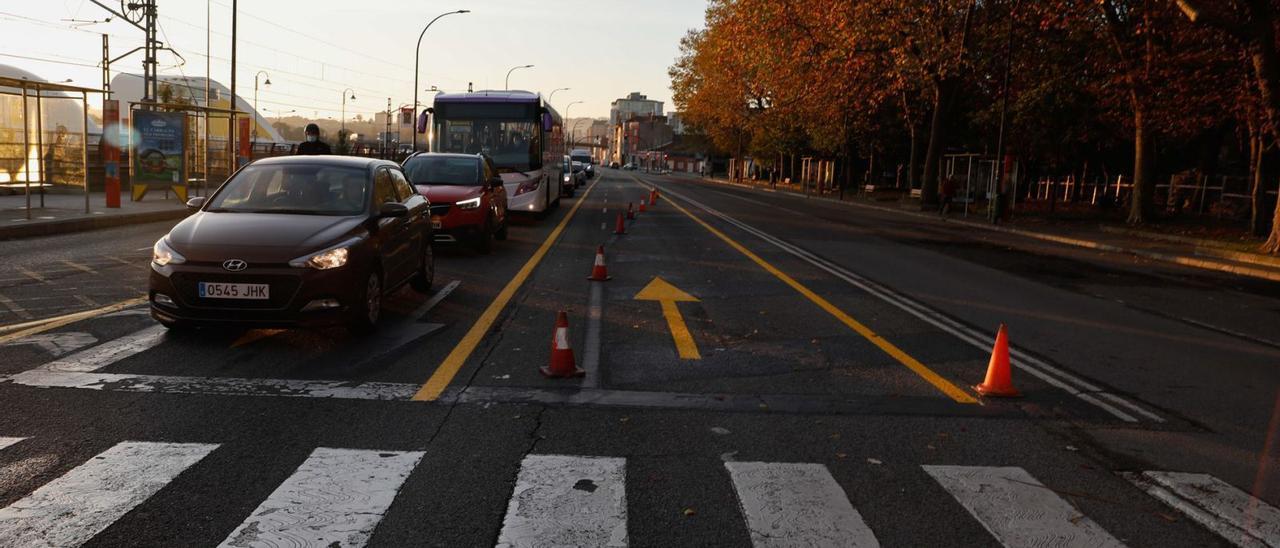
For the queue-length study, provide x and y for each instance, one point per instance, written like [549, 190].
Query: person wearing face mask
[313, 145]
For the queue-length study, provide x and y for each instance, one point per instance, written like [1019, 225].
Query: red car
[468, 200]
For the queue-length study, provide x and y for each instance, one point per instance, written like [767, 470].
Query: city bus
[517, 129]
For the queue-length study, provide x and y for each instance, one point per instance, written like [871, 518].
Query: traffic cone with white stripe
[631, 213]
[642, 204]
[599, 271]
[562, 363]
[999, 381]
[653, 196]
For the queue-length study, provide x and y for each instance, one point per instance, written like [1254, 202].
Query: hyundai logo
[234, 265]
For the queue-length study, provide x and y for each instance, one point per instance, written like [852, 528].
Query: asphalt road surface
[762, 369]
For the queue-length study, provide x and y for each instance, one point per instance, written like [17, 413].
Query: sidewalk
[1221, 256]
[63, 213]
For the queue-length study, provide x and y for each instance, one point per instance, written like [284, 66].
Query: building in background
[633, 105]
[676, 121]
[637, 140]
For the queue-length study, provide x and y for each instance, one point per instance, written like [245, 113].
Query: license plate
[210, 290]
[435, 222]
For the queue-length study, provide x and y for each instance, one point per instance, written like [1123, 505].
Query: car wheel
[426, 276]
[484, 238]
[365, 317]
[501, 234]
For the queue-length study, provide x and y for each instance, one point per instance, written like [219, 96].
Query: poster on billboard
[158, 152]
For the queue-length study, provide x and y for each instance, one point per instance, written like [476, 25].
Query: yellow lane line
[443, 375]
[945, 386]
[41, 326]
[685, 346]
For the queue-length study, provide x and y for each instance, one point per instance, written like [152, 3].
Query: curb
[1183, 260]
[84, 224]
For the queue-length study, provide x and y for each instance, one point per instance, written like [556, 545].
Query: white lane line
[796, 504]
[1017, 509]
[591, 346]
[56, 344]
[80, 267]
[72, 509]
[15, 308]
[107, 353]
[1233, 514]
[222, 386]
[1061, 379]
[5, 442]
[431, 303]
[335, 498]
[33, 275]
[562, 500]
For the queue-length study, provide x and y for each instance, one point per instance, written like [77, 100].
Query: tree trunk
[913, 157]
[929, 186]
[1140, 197]
[1263, 55]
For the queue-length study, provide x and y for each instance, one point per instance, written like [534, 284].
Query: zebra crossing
[337, 497]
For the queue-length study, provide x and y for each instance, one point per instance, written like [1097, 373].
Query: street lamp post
[342, 134]
[566, 120]
[553, 93]
[255, 101]
[416, 51]
[507, 82]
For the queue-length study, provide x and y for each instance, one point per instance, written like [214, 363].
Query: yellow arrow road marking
[668, 295]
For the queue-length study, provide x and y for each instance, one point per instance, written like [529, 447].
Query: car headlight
[566, 177]
[469, 204]
[333, 257]
[162, 254]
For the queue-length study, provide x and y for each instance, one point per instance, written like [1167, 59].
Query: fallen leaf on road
[719, 430]
[841, 455]
[876, 462]
[624, 419]
[690, 512]
[1071, 448]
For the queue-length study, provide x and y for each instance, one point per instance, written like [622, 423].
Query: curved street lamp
[255, 100]
[343, 135]
[553, 93]
[507, 83]
[566, 119]
[416, 51]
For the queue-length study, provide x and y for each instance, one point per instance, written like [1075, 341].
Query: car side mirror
[392, 209]
[495, 182]
[196, 203]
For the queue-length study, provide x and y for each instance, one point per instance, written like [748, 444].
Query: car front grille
[440, 209]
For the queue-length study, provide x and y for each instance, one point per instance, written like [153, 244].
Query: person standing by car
[313, 145]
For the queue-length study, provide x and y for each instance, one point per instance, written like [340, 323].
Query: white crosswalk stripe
[335, 498]
[5, 442]
[562, 500]
[795, 504]
[1237, 516]
[1017, 509]
[73, 508]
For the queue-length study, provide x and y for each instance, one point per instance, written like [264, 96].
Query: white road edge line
[563, 500]
[5, 442]
[74, 508]
[591, 346]
[1017, 509]
[335, 498]
[1236, 516]
[796, 504]
[421, 312]
[1038, 368]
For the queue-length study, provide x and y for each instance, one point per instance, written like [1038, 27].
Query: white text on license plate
[210, 290]
[435, 222]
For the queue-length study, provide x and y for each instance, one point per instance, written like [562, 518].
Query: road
[822, 396]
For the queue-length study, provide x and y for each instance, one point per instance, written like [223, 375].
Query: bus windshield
[514, 145]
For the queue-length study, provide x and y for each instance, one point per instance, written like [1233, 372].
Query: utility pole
[231, 117]
[141, 14]
[106, 66]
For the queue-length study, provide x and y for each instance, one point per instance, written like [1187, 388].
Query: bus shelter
[44, 136]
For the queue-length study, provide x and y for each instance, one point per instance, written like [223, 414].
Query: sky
[313, 50]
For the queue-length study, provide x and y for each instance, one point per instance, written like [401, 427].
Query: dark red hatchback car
[295, 241]
[468, 199]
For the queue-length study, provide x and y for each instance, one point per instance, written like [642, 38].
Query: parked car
[468, 199]
[629, 167]
[583, 156]
[295, 241]
[613, 165]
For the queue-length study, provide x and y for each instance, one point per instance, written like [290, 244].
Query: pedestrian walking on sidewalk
[946, 195]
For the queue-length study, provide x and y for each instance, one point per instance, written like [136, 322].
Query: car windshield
[513, 144]
[581, 158]
[443, 170]
[303, 189]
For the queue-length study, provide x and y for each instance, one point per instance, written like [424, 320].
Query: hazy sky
[312, 50]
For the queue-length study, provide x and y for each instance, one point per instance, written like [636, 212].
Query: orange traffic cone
[620, 227]
[599, 272]
[562, 363]
[653, 196]
[642, 204]
[631, 213]
[999, 381]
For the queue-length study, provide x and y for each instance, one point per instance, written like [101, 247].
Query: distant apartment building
[636, 138]
[631, 106]
[676, 121]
